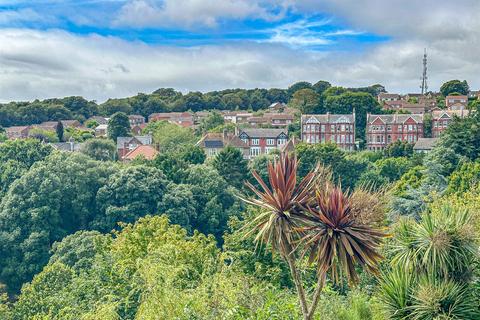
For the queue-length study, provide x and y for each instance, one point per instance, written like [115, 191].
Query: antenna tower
[424, 85]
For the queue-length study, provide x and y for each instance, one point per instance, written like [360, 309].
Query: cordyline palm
[320, 222]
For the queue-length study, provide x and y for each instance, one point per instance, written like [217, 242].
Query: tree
[193, 154]
[194, 101]
[129, 194]
[100, 149]
[231, 165]
[59, 131]
[321, 86]
[53, 199]
[287, 222]
[213, 120]
[170, 137]
[298, 86]
[43, 135]
[399, 149]
[453, 86]
[118, 126]
[306, 100]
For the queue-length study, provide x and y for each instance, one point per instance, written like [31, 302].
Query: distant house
[383, 129]
[334, 128]
[262, 141]
[279, 119]
[402, 105]
[136, 120]
[52, 125]
[67, 146]
[142, 151]
[424, 145]
[71, 124]
[456, 102]
[101, 130]
[98, 119]
[17, 132]
[442, 118]
[137, 129]
[183, 119]
[386, 97]
[237, 117]
[258, 121]
[213, 143]
[127, 144]
[277, 106]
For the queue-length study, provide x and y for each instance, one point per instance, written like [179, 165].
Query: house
[385, 97]
[277, 106]
[456, 102]
[424, 145]
[98, 119]
[213, 143]
[383, 129]
[138, 129]
[17, 132]
[136, 120]
[262, 141]
[335, 128]
[52, 125]
[402, 105]
[71, 124]
[279, 119]
[237, 117]
[127, 144]
[183, 119]
[442, 118]
[101, 130]
[258, 121]
[142, 151]
[70, 146]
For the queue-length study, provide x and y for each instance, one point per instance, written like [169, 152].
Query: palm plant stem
[316, 295]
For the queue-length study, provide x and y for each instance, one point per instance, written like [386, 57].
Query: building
[98, 119]
[237, 117]
[279, 119]
[101, 130]
[386, 97]
[213, 143]
[456, 102]
[127, 144]
[70, 146]
[402, 105]
[183, 119]
[442, 118]
[138, 129]
[17, 132]
[424, 145]
[136, 120]
[146, 152]
[262, 141]
[335, 128]
[383, 129]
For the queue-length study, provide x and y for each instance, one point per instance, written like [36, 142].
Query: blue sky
[112, 48]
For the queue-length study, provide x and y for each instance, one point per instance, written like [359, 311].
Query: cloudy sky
[116, 48]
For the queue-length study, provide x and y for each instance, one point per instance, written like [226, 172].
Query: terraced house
[263, 141]
[335, 128]
[383, 129]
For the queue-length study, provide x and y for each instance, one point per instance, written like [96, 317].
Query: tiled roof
[394, 118]
[425, 143]
[217, 140]
[16, 128]
[263, 133]
[146, 151]
[388, 95]
[145, 140]
[459, 113]
[329, 118]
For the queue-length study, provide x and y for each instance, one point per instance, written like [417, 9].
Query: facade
[101, 130]
[334, 128]
[442, 118]
[213, 143]
[456, 102]
[263, 141]
[383, 129]
[127, 144]
[136, 120]
[17, 132]
[386, 97]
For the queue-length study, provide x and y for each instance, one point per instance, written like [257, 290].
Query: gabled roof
[145, 151]
[437, 114]
[16, 128]
[328, 118]
[425, 143]
[144, 140]
[219, 140]
[395, 118]
[456, 97]
[263, 133]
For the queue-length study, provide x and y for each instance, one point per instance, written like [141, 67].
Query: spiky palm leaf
[337, 242]
[282, 204]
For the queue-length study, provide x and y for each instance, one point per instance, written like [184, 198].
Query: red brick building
[456, 102]
[136, 120]
[262, 141]
[442, 118]
[183, 119]
[335, 128]
[17, 132]
[383, 129]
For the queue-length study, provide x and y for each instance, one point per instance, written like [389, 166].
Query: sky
[104, 49]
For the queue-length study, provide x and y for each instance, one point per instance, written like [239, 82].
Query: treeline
[169, 100]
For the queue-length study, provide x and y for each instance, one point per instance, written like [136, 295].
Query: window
[269, 149]
[410, 127]
[332, 138]
[323, 128]
[389, 128]
[389, 138]
[255, 142]
[342, 127]
[332, 128]
[323, 138]
[212, 152]
[245, 140]
[400, 127]
[282, 141]
[270, 142]
[255, 151]
[343, 139]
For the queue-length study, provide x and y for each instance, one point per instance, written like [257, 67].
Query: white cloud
[14, 17]
[190, 13]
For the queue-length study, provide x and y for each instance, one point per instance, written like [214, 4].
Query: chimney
[225, 134]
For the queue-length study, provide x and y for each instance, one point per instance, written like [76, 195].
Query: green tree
[231, 165]
[399, 149]
[306, 100]
[453, 86]
[321, 86]
[170, 137]
[214, 119]
[465, 178]
[59, 131]
[43, 135]
[298, 86]
[100, 149]
[118, 126]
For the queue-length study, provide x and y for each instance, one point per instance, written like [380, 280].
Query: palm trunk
[316, 296]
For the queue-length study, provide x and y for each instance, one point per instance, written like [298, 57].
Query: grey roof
[67, 146]
[395, 118]
[145, 140]
[213, 144]
[264, 133]
[425, 143]
[329, 118]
